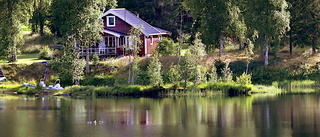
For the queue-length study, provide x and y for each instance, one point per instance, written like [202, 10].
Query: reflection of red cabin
[117, 23]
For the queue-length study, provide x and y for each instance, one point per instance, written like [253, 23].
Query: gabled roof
[135, 21]
[114, 33]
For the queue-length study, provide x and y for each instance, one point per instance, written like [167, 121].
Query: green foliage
[154, 72]
[219, 64]
[77, 69]
[40, 16]
[12, 14]
[244, 79]
[46, 53]
[265, 89]
[202, 74]
[304, 22]
[167, 47]
[134, 48]
[197, 51]
[226, 74]
[68, 66]
[213, 74]
[95, 59]
[266, 76]
[237, 67]
[84, 24]
[119, 90]
[76, 89]
[185, 68]
[165, 14]
[174, 76]
[269, 19]
[142, 78]
[222, 86]
[212, 21]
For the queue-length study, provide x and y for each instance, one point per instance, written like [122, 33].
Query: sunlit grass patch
[265, 89]
[25, 59]
[28, 58]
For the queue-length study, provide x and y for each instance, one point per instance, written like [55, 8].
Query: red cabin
[117, 23]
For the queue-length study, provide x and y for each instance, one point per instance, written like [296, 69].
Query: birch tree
[217, 19]
[197, 51]
[133, 48]
[12, 14]
[154, 72]
[269, 18]
[79, 20]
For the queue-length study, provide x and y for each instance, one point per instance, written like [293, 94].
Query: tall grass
[119, 90]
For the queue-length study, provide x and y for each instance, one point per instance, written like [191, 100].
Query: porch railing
[99, 51]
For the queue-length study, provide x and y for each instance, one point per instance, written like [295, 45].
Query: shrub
[174, 76]
[221, 86]
[99, 81]
[213, 76]
[167, 47]
[76, 89]
[45, 53]
[244, 79]
[226, 74]
[154, 72]
[95, 59]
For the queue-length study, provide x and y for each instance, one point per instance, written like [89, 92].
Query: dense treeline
[255, 25]
[268, 23]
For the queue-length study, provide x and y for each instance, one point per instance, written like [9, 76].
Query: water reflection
[285, 115]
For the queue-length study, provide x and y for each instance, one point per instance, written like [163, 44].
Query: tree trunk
[133, 69]
[185, 83]
[180, 36]
[240, 45]
[290, 41]
[261, 52]
[13, 34]
[314, 45]
[221, 45]
[129, 70]
[195, 77]
[14, 54]
[87, 61]
[266, 60]
[247, 68]
[41, 19]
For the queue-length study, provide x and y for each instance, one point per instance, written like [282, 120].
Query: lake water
[263, 115]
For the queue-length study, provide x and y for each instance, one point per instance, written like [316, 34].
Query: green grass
[25, 59]
[265, 89]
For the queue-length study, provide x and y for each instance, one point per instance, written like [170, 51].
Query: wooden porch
[99, 51]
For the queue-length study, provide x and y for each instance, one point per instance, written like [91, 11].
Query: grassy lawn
[26, 59]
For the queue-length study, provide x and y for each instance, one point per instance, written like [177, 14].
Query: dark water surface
[265, 116]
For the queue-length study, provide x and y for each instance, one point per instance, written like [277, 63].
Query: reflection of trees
[201, 116]
[175, 111]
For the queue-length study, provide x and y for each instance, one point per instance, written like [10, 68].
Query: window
[160, 37]
[151, 40]
[110, 41]
[129, 41]
[111, 21]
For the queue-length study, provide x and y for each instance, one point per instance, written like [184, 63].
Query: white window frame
[129, 41]
[160, 37]
[151, 40]
[114, 21]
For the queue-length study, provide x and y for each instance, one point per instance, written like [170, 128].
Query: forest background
[260, 40]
